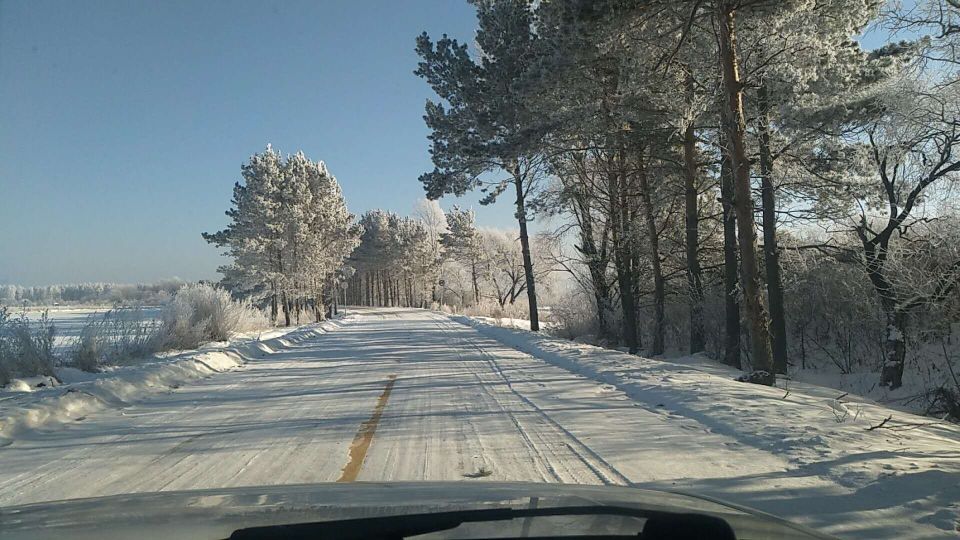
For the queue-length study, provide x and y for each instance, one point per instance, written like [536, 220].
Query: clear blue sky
[123, 123]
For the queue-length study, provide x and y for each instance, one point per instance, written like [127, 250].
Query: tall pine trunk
[771, 253]
[735, 124]
[474, 278]
[286, 309]
[596, 261]
[731, 265]
[274, 312]
[525, 249]
[692, 222]
[659, 287]
[381, 290]
[622, 262]
[629, 211]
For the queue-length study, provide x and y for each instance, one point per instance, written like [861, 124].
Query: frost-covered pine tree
[434, 221]
[288, 235]
[463, 243]
[394, 262]
[254, 238]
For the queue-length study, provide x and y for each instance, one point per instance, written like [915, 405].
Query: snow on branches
[289, 234]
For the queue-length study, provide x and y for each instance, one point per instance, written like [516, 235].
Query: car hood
[215, 513]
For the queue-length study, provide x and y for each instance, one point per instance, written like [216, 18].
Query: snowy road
[409, 395]
[293, 417]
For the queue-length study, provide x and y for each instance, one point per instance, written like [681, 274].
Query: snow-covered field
[470, 397]
[69, 321]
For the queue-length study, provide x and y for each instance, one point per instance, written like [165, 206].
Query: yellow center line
[364, 436]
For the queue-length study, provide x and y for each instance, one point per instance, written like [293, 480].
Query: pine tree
[485, 124]
[463, 243]
[288, 235]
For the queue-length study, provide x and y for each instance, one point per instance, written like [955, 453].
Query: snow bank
[910, 466]
[509, 322]
[24, 406]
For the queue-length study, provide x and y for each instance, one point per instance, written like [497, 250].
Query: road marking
[364, 436]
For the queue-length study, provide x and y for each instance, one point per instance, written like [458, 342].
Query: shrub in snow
[26, 348]
[492, 308]
[115, 337]
[575, 318]
[945, 402]
[196, 315]
[202, 313]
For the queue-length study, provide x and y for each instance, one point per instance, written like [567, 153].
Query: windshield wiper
[658, 525]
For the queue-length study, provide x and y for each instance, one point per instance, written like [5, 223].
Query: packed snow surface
[472, 401]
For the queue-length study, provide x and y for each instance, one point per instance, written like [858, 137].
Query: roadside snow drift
[23, 406]
[892, 469]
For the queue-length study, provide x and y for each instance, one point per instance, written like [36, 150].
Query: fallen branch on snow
[901, 426]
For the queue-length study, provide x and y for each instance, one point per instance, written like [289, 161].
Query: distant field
[69, 321]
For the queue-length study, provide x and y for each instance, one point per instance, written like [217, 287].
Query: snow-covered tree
[434, 221]
[395, 262]
[503, 263]
[659, 124]
[464, 244]
[288, 235]
[890, 174]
